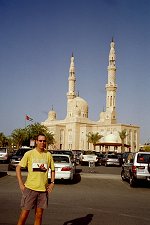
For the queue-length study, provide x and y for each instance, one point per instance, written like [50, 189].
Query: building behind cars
[136, 168]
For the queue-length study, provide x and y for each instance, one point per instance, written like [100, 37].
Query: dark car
[125, 156]
[66, 152]
[100, 157]
[15, 159]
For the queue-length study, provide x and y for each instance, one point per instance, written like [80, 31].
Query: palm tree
[2, 139]
[94, 138]
[122, 135]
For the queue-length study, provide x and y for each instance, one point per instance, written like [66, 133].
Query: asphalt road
[94, 199]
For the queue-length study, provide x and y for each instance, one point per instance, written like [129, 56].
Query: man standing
[36, 188]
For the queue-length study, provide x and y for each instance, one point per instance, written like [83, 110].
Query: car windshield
[88, 153]
[67, 152]
[61, 159]
[62, 152]
[143, 158]
[22, 151]
[3, 150]
[112, 156]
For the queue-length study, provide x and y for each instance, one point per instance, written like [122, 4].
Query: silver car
[136, 167]
[4, 156]
[110, 160]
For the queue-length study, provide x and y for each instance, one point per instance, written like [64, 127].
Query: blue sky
[37, 38]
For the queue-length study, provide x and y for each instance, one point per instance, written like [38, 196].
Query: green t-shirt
[38, 164]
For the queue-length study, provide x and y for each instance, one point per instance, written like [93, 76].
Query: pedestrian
[36, 188]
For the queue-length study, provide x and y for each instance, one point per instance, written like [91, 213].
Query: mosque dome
[52, 115]
[110, 138]
[80, 103]
[78, 107]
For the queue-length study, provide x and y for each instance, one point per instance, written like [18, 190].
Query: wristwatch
[52, 182]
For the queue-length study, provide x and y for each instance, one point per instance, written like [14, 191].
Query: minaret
[111, 87]
[72, 79]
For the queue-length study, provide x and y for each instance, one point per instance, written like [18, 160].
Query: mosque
[71, 133]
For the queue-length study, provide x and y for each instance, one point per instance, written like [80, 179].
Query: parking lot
[90, 200]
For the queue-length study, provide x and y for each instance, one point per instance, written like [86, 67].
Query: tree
[94, 138]
[18, 137]
[146, 148]
[22, 137]
[3, 140]
[122, 135]
[35, 129]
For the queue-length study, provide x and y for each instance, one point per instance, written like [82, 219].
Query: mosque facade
[71, 133]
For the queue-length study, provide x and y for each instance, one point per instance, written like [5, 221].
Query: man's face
[41, 142]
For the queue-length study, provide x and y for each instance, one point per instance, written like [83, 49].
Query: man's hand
[50, 187]
[22, 187]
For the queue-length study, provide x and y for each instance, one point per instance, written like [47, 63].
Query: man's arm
[52, 176]
[51, 185]
[19, 177]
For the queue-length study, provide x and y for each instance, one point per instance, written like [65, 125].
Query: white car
[88, 156]
[4, 157]
[64, 167]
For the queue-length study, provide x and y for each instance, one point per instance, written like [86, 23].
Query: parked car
[64, 167]
[110, 160]
[88, 156]
[136, 167]
[66, 152]
[15, 159]
[4, 156]
[77, 154]
[100, 156]
[125, 156]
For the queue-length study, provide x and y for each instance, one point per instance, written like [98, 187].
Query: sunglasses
[42, 140]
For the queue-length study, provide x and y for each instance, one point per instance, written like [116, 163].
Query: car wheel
[132, 181]
[123, 175]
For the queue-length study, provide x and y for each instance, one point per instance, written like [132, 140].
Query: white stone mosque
[71, 133]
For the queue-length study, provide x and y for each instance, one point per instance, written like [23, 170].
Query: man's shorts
[34, 199]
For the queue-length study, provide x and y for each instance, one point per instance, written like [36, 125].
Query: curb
[100, 176]
[84, 175]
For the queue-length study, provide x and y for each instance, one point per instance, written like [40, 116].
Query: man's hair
[40, 135]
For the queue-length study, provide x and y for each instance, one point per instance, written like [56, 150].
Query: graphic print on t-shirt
[40, 167]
